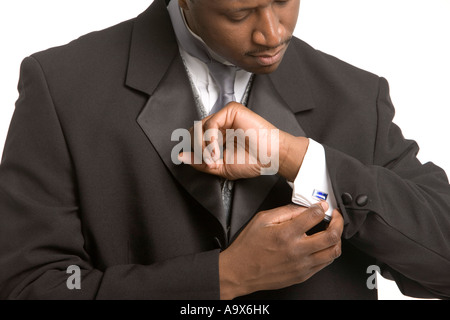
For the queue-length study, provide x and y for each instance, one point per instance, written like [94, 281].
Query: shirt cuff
[313, 183]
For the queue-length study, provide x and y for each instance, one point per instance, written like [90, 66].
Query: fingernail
[324, 205]
[216, 151]
[184, 158]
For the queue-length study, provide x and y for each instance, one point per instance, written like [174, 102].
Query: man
[88, 178]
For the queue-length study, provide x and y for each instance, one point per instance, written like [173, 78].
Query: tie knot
[223, 75]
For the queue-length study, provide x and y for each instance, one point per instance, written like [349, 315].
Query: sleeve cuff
[313, 183]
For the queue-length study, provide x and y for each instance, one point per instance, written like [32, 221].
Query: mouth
[268, 58]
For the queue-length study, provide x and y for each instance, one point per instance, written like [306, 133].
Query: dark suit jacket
[87, 179]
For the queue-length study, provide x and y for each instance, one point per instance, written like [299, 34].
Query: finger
[327, 238]
[283, 214]
[235, 116]
[337, 219]
[223, 119]
[198, 143]
[322, 240]
[308, 219]
[191, 159]
[314, 269]
[312, 265]
[213, 144]
[326, 256]
[214, 128]
[206, 145]
[213, 168]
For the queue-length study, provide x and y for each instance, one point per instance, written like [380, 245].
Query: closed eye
[239, 16]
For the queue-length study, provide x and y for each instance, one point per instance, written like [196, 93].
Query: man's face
[252, 34]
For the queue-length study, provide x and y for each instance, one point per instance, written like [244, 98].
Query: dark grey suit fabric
[87, 178]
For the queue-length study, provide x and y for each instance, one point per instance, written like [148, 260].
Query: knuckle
[291, 256]
[337, 252]
[333, 237]
[234, 104]
[304, 271]
[261, 216]
[262, 213]
[294, 208]
[302, 277]
[207, 124]
[281, 239]
[300, 265]
[291, 207]
[334, 253]
[232, 107]
[316, 212]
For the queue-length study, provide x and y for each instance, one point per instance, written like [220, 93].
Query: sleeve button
[347, 199]
[362, 200]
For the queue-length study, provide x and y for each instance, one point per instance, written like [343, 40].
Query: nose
[269, 31]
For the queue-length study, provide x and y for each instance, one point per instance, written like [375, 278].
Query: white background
[405, 41]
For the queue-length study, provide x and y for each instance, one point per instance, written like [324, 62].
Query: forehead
[234, 4]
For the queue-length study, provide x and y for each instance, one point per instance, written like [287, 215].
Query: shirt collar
[213, 54]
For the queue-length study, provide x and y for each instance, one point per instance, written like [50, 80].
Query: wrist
[292, 152]
[230, 287]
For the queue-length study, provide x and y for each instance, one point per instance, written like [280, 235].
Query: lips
[266, 59]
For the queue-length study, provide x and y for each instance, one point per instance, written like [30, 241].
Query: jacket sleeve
[41, 230]
[397, 209]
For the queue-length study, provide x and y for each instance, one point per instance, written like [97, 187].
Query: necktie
[222, 74]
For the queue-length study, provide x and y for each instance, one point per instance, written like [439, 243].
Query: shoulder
[331, 66]
[333, 77]
[88, 51]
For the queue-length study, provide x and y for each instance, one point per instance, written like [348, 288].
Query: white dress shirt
[312, 183]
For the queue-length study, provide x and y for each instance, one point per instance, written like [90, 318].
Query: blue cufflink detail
[320, 195]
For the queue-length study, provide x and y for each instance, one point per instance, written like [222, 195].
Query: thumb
[186, 157]
[190, 158]
[283, 214]
[207, 165]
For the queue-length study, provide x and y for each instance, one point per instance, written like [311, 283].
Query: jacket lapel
[155, 67]
[170, 108]
[277, 98]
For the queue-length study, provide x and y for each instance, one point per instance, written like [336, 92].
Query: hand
[274, 252]
[237, 143]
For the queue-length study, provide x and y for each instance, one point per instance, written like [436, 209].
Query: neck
[213, 54]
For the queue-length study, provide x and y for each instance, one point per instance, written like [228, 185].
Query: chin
[262, 69]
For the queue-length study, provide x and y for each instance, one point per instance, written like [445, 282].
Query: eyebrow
[240, 6]
[239, 9]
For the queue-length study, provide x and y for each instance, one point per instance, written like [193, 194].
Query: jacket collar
[153, 47]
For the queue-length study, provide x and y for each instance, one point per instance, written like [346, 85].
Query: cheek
[234, 44]
[292, 17]
[229, 43]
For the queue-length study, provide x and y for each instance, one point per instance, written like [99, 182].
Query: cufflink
[320, 195]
